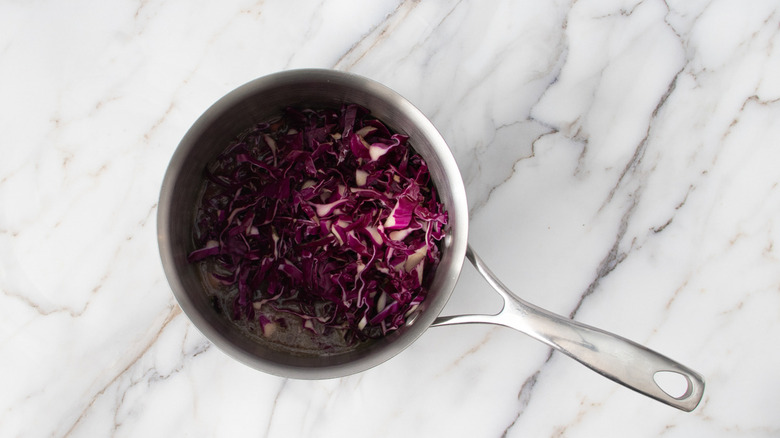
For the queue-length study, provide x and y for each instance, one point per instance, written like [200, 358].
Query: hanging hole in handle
[674, 384]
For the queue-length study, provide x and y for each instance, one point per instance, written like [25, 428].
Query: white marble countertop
[621, 162]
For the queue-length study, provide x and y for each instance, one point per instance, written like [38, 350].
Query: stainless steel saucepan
[614, 357]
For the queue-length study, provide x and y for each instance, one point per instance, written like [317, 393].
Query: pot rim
[447, 179]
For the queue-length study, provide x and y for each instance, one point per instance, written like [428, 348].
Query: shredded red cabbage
[322, 214]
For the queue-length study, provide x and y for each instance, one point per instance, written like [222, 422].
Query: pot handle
[610, 355]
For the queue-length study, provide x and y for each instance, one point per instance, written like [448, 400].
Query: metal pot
[610, 355]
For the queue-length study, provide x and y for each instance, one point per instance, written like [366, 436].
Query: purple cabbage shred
[323, 214]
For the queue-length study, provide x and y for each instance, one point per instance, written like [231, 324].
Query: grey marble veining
[620, 159]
